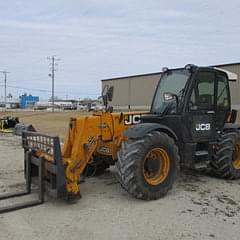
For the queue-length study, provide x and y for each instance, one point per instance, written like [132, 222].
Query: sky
[103, 39]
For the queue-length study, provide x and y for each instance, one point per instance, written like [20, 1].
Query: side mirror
[105, 101]
[110, 93]
[107, 95]
[167, 96]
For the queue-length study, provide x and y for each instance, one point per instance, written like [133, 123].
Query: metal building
[136, 91]
[28, 101]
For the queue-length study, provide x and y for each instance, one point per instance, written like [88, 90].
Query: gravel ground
[198, 207]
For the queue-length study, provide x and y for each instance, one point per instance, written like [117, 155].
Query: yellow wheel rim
[156, 166]
[236, 156]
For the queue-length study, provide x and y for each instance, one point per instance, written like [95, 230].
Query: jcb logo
[203, 127]
[132, 119]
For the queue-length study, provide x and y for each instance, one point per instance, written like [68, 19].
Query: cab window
[202, 97]
[222, 92]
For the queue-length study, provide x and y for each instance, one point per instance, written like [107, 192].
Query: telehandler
[190, 125]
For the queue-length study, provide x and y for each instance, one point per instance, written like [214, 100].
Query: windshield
[173, 81]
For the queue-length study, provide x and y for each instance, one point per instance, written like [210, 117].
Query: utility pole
[5, 87]
[53, 60]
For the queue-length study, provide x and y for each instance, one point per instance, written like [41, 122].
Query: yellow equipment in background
[7, 124]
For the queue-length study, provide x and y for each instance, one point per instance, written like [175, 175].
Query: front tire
[226, 160]
[148, 167]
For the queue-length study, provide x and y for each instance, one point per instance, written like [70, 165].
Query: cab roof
[231, 76]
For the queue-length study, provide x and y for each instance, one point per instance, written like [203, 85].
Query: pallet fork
[48, 176]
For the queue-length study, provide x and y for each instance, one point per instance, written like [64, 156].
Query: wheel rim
[236, 156]
[156, 166]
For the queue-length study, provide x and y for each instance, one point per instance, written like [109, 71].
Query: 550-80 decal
[132, 119]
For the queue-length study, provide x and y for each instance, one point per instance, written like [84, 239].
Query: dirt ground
[47, 122]
[198, 207]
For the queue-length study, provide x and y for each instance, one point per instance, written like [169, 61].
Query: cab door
[223, 103]
[200, 114]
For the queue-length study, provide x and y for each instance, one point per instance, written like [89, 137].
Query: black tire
[222, 162]
[130, 165]
[95, 169]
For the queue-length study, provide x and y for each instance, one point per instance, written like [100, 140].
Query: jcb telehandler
[190, 125]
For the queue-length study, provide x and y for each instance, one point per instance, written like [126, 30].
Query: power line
[5, 87]
[26, 88]
[27, 81]
[53, 59]
[45, 90]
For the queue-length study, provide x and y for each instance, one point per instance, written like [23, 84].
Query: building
[11, 102]
[65, 104]
[28, 101]
[136, 92]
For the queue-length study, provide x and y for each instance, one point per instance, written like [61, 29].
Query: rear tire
[148, 167]
[226, 161]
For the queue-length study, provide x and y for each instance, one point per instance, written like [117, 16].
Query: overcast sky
[103, 39]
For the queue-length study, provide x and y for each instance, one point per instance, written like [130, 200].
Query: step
[199, 166]
[201, 153]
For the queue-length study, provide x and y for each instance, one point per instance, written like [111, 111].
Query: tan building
[136, 92]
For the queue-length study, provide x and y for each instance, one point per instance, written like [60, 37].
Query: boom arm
[81, 143]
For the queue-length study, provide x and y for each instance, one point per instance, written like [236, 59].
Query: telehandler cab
[190, 124]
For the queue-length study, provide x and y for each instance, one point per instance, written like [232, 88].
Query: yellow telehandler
[190, 125]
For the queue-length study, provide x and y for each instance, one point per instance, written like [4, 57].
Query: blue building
[28, 101]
